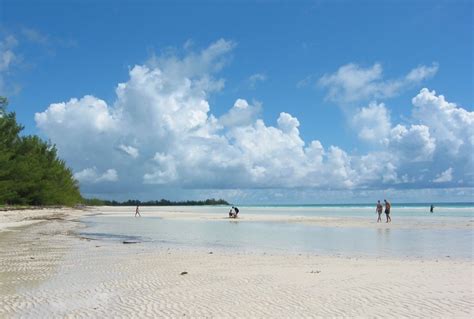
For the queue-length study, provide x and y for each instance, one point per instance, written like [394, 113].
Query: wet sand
[46, 270]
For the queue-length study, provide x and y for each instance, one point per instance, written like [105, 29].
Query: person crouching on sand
[387, 210]
[234, 211]
[379, 211]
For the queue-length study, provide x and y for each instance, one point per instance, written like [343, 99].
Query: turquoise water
[422, 205]
[285, 237]
[350, 210]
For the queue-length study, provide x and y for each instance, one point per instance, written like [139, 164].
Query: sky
[256, 102]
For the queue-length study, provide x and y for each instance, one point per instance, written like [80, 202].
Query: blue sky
[274, 55]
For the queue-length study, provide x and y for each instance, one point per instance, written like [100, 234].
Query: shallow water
[359, 210]
[285, 237]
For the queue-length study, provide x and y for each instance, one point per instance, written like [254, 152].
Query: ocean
[377, 240]
[334, 210]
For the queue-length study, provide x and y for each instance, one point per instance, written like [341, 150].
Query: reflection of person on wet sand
[137, 212]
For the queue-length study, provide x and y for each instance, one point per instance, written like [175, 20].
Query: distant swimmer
[387, 210]
[379, 210]
[431, 209]
[137, 212]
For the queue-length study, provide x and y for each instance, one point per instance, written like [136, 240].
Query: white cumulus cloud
[8, 58]
[160, 132]
[445, 176]
[452, 126]
[254, 79]
[130, 150]
[373, 123]
[352, 83]
[413, 143]
[242, 113]
[91, 175]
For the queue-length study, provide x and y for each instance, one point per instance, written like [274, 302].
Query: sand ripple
[47, 273]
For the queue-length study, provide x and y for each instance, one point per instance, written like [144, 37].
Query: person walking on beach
[137, 212]
[387, 210]
[379, 210]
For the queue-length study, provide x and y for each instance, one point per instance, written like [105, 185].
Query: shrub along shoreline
[162, 202]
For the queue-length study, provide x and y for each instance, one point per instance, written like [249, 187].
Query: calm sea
[283, 237]
[355, 210]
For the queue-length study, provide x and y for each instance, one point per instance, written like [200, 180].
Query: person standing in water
[379, 211]
[137, 212]
[387, 210]
[431, 209]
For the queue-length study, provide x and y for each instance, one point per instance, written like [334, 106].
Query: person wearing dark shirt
[387, 210]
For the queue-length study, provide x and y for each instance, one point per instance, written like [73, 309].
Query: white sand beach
[47, 270]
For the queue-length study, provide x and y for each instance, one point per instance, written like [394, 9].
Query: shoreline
[11, 219]
[400, 222]
[48, 270]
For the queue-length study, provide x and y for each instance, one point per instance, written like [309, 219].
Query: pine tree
[30, 171]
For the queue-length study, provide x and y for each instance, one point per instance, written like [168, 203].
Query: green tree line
[30, 171]
[162, 202]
